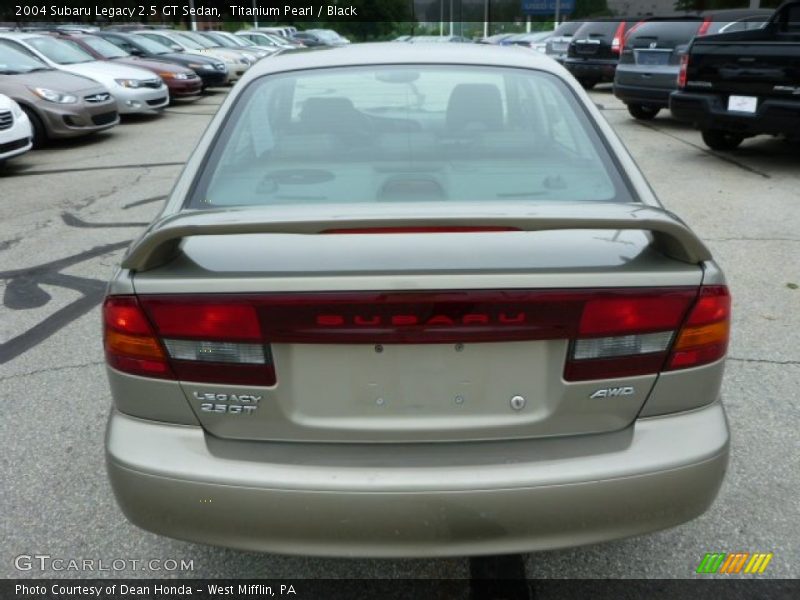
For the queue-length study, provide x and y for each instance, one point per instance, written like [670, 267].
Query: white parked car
[180, 41]
[136, 90]
[268, 40]
[228, 40]
[15, 129]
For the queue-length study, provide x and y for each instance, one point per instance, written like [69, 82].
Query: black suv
[595, 48]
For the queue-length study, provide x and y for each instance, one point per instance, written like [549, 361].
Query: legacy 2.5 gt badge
[230, 404]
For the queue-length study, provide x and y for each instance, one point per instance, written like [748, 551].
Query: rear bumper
[709, 111]
[599, 70]
[648, 96]
[417, 500]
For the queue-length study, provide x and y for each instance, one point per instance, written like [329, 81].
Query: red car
[181, 82]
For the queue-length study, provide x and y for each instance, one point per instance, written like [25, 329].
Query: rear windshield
[667, 34]
[568, 28]
[598, 29]
[407, 134]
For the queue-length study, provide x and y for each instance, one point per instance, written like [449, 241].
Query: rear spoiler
[161, 241]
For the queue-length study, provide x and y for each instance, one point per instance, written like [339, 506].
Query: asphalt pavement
[67, 213]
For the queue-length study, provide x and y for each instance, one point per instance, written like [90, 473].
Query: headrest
[474, 107]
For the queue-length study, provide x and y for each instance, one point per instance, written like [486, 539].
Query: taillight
[683, 73]
[618, 42]
[626, 335]
[632, 336]
[130, 343]
[704, 337]
[226, 338]
[443, 229]
[205, 342]
[705, 27]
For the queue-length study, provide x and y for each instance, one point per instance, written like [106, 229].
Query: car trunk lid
[388, 331]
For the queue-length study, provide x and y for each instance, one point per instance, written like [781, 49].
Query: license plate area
[421, 386]
[587, 47]
[743, 104]
[652, 58]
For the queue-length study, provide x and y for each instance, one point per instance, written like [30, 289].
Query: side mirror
[135, 52]
[176, 47]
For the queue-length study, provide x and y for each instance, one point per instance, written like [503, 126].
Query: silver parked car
[414, 300]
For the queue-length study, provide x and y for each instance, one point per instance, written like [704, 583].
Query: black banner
[289, 12]
[729, 588]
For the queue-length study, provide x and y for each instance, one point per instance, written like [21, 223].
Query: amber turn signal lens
[133, 345]
[702, 335]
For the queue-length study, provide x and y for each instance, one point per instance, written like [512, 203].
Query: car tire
[717, 139]
[643, 112]
[39, 132]
[588, 83]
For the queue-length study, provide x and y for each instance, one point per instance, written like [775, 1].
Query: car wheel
[642, 112]
[587, 83]
[39, 132]
[722, 140]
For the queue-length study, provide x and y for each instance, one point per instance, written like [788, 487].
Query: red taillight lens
[213, 342]
[130, 343]
[683, 74]
[704, 27]
[227, 338]
[642, 335]
[436, 317]
[627, 333]
[704, 337]
[181, 318]
[618, 42]
[634, 314]
[448, 229]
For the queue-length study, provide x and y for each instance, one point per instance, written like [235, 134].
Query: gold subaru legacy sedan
[414, 300]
